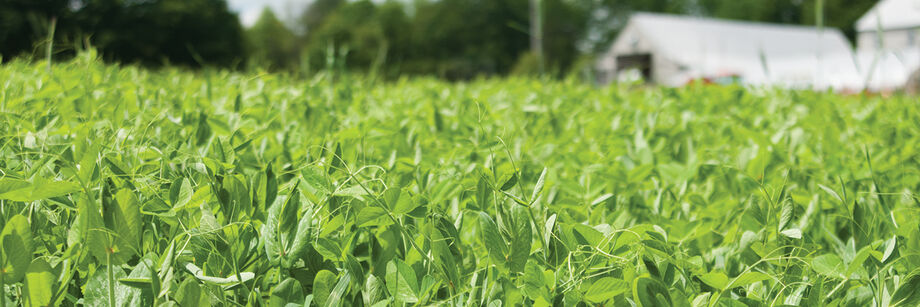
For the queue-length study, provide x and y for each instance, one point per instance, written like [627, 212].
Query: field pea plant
[129, 187]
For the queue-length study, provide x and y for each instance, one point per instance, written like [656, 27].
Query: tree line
[455, 39]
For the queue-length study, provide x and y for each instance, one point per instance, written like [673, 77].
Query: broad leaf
[538, 188]
[828, 265]
[323, 283]
[491, 238]
[289, 291]
[370, 216]
[401, 281]
[649, 292]
[716, 280]
[533, 281]
[39, 283]
[747, 278]
[908, 293]
[17, 249]
[522, 240]
[605, 288]
[128, 223]
[400, 201]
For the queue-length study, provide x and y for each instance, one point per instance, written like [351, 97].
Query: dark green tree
[272, 43]
[24, 23]
[460, 39]
[565, 23]
[774, 11]
[316, 13]
[841, 14]
[352, 31]
[608, 17]
[184, 32]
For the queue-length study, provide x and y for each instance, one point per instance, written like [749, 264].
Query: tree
[396, 28]
[351, 27]
[23, 23]
[775, 11]
[565, 23]
[271, 43]
[460, 39]
[841, 14]
[185, 32]
[608, 17]
[316, 13]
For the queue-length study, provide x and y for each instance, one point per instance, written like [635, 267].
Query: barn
[890, 25]
[888, 44]
[673, 50]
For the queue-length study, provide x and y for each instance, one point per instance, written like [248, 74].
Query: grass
[123, 186]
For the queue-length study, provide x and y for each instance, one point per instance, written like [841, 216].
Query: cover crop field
[128, 187]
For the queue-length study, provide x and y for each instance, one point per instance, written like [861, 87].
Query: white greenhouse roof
[891, 14]
[692, 40]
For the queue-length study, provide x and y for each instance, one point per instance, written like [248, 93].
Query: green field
[174, 188]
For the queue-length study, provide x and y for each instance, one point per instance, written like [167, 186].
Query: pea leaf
[538, 188]
[533, 281]
[188, 293]
[483, 191]
[185, 194]
[323, 283]
[96, 291]
[287, 292]
[510, 182]
[14, 189]
[39, 283]
[301, 238]
[369, 216]
[747, 278]
[128, 221]
[649, 292]
[716, 280]
[335, 297]
[17, 249]
[18, 190]
[605, 288]
[492, 239]
[522, 240]
[908, 294]
[793, 233]
[401, 281]
[785, 215]
[400, 201]
[828, 265]
[271, 186]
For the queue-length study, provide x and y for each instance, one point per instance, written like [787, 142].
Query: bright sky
[249, 10]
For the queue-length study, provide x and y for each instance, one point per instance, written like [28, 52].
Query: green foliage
[180, 32]
[453, 39]
[271, 44]
[450, 39]
[127, 187]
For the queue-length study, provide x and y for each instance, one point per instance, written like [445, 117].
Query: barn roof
[691, 39]
[891, 14]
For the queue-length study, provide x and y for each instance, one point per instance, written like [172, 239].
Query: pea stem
[108, 259]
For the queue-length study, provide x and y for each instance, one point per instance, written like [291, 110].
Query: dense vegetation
[135, 187]
[154, 32]
[456, 39]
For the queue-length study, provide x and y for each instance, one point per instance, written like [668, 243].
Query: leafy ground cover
[122, 186]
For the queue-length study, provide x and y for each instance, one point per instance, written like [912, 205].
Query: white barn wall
[684, 48]
[889, 68]
[897, 39]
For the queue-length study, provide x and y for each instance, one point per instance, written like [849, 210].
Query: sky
[249, 10]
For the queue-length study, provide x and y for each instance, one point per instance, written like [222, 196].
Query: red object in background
[722, 79]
